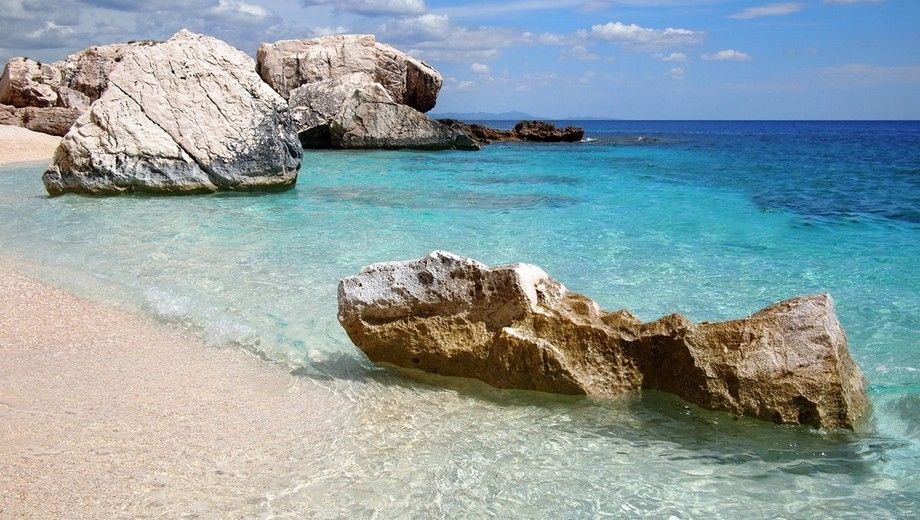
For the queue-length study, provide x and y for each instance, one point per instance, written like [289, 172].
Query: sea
[712, 219]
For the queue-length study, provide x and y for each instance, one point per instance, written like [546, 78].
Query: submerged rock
[186, 115]
[515, 327]
[533, 131]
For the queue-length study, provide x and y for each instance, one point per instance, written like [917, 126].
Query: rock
[289, 64]
[515, 327]
[542, 131]
[369, 118]
[65, 88]
[27, 83]
[70, 98]
[10, 115]
[49, 120]
[187, 115]
[315, 105]
[480, 133]
[536, 131]
[319, 76]
[88, 71]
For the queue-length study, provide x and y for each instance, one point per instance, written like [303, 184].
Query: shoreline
[19, 145]
[93, 397]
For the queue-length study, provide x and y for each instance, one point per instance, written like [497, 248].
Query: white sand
[21, 145]
[106, 414]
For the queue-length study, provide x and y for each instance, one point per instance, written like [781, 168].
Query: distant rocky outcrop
[320, 76]
[532, 131]
[49, 97]
[515, 327]
[183, 116]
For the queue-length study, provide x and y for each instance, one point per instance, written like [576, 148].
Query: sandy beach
[106, 414]
[21, 145]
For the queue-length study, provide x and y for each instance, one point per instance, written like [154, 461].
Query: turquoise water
[714, 220]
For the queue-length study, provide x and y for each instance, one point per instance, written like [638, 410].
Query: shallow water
[715, 220]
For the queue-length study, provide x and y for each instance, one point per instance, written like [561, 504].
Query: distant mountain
[484, 116]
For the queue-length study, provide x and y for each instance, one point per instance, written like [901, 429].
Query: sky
[622, 59]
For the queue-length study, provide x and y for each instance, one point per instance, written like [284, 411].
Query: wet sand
[106, 414]
[21, 145]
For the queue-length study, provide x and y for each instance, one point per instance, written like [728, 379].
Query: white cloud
[374, 7]
[479, 68]
[779, 9]
[238, 9]
[674, 56]
[678, 72]
[326, 30]
[580, 53]
[727, 55]
[632, 34]
[434, 36]
[465, 85]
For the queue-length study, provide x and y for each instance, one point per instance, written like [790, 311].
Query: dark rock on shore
[541, 131]
[515, 327]
[530, 131]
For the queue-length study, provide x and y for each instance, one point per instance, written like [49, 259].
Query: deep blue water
[711, 219]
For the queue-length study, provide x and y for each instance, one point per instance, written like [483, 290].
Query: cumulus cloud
[434, 36]
[727, 55]
[580, 53]
[38, 24]
[674, 56]
[326, 30]
[240, 11]
[479, 68]
[636, 35]
[373, 7]
[678, 72]
[779, 9]
[161, 5]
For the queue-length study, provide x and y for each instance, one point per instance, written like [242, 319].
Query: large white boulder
[186, 115]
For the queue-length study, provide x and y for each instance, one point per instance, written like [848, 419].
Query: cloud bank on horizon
[638, 59]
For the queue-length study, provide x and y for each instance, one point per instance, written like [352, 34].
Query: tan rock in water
[515, 327]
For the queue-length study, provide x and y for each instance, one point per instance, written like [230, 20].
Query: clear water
[714, 220]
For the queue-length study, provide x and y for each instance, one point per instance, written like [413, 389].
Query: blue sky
[634, 59]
